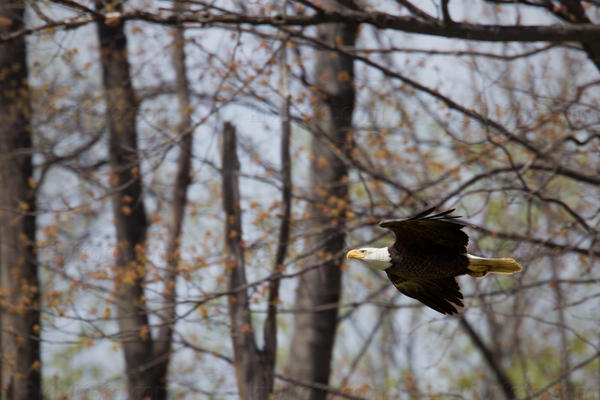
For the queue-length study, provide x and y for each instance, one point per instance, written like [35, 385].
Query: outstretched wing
[434, 293]
[429, 232]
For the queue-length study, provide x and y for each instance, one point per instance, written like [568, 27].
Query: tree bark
[19, 298]
[574, 12]
[128, 209]
[248, 363]
[163, 343]
[314, 332]
[555, 33]
[255, 369]
[566, 389]
[270, 327]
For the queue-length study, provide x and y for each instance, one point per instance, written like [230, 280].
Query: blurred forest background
[180, 181]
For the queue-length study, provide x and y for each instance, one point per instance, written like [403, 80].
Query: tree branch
[491, 360]
[454, 105]
[270, 329]
[562, 376]
[585, 33]
[163, 344]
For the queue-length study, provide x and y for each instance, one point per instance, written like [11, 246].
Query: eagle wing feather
[435, 293]
[425, 232]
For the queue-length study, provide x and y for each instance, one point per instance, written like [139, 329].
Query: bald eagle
[429, 252]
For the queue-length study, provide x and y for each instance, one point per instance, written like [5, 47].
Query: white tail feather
[480, 266]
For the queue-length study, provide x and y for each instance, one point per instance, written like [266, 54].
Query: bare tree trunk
[566, 389]
[128, 209]
[255, 369]
[20, 318]
[163, 343]
[249, 367]
[314, 332]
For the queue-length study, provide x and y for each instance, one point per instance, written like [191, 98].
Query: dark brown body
[432, 265]
[430, 250]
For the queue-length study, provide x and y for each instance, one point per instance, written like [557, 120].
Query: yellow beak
[354, 254]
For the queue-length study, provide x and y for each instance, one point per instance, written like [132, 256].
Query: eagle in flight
[429, 252]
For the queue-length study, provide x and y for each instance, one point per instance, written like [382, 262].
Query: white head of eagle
[375, 258]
